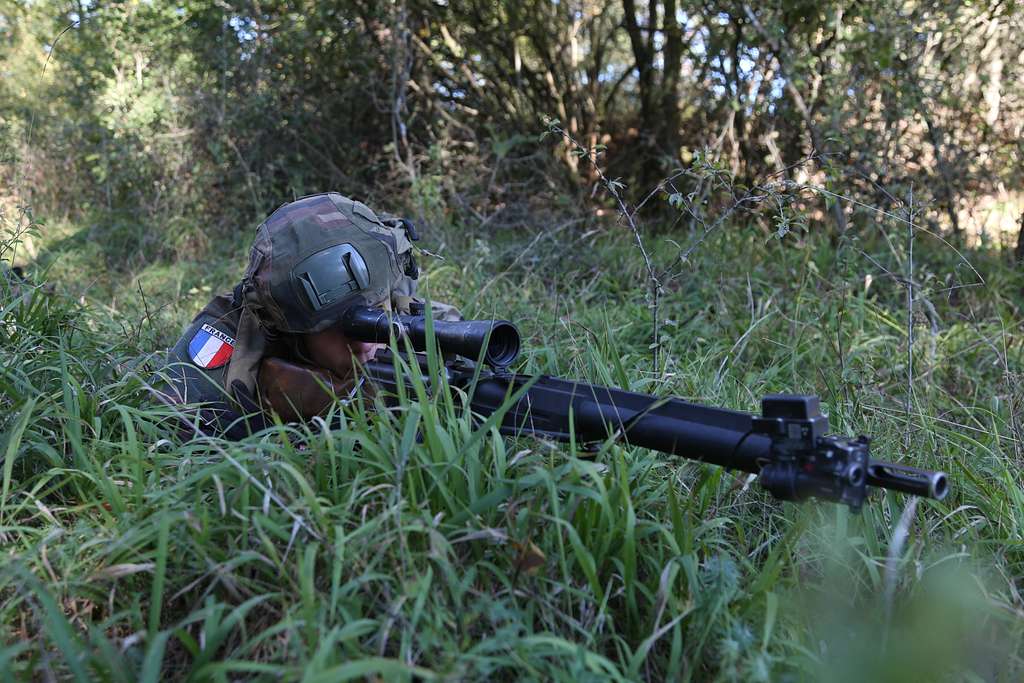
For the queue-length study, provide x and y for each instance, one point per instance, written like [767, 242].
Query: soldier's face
[334, 350]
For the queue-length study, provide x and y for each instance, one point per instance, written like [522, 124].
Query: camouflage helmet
[315, 257]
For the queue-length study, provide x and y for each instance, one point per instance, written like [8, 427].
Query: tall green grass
[415, 543]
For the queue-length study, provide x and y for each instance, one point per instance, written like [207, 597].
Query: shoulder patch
[210, 348]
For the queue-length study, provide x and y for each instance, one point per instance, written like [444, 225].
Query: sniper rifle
[787, 445]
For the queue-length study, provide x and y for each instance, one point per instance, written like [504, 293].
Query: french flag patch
[210, 348]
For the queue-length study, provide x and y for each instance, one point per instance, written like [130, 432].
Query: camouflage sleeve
[192, 377]
[184, 381]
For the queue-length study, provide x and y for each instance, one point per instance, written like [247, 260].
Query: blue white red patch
[210, 348]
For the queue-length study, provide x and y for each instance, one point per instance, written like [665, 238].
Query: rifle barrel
[924, 483]
[697, 432]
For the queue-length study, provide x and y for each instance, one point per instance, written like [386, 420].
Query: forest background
[709, 199]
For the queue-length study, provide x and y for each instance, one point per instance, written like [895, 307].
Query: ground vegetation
[712, 200]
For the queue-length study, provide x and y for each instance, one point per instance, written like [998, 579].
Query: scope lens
[855, 475]
[503, 345]
[940, 487]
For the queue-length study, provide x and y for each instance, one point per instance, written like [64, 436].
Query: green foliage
[214, 113]
[416, 543]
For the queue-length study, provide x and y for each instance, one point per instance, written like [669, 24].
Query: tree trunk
[1019, 251]
[644, 56]
[669, 139]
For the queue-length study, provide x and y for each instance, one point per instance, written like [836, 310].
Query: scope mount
[806, 463]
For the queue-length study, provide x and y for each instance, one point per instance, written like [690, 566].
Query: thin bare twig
[612, 186]
[401, 67]
[910, 315]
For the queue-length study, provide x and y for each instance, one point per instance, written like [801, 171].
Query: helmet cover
[314, 258]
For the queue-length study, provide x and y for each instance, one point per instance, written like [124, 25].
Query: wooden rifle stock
[299, 392]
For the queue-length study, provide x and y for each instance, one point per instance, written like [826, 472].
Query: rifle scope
[496, 340]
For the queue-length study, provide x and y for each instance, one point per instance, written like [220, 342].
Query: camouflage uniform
[216, 361]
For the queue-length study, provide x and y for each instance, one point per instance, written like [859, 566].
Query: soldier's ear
[412, 269]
